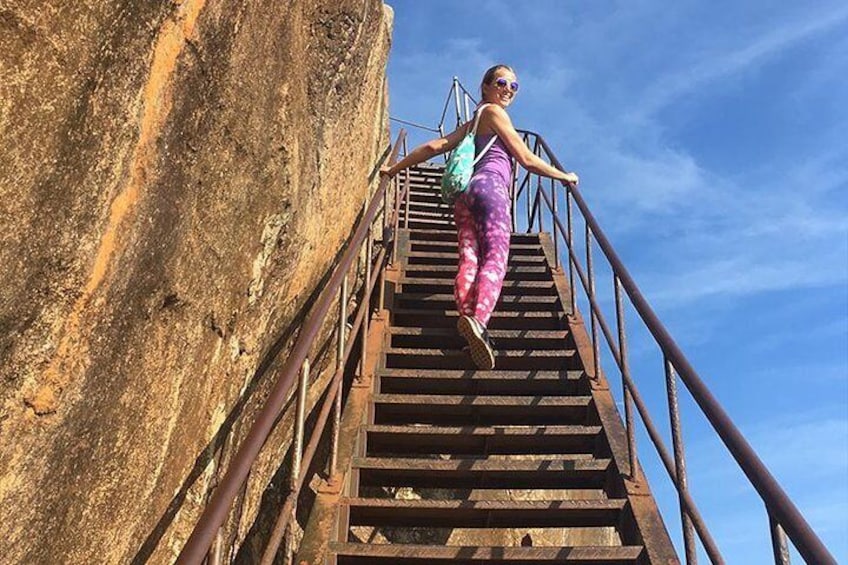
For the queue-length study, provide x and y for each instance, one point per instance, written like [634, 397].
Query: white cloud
[743, 275]
[718, 62]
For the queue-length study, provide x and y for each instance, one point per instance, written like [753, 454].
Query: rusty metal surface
[778, 543]
[556, 428]
[317, 534]
[680, 463]
[484, 513]
[653, 434]
[649, 524]
[420, 554]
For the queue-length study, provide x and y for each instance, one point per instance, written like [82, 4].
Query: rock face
[175, 180]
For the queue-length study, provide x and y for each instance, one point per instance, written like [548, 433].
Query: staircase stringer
[648, 526]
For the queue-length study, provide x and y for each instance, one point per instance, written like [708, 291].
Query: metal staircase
[461, 466]
[412, 456]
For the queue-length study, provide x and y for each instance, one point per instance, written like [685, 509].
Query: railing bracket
[635, 487]
[596, 383]
[331, 485]
[362, 381]
[381, 315]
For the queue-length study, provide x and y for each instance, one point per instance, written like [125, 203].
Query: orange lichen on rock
[155, 100]
[42, 401]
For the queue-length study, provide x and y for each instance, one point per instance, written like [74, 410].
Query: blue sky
[710, 139]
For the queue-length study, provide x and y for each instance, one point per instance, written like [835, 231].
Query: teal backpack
[460, 166]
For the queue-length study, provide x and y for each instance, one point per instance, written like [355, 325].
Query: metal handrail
[782, 513]
[413, 124]
[213, 516]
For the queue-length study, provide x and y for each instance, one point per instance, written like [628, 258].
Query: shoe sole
[482, 356]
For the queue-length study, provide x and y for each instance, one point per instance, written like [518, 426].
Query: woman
[482, 213]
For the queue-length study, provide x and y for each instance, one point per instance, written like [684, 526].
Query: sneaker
[482, 352]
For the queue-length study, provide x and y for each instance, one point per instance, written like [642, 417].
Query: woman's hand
[570, 178]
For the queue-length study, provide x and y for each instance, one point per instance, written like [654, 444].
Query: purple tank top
[496, 161]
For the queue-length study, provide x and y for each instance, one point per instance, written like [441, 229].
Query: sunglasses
[502, 82]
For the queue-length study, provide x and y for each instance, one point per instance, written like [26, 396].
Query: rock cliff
[175, 180]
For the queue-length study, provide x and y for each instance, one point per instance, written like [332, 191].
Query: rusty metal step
[551, 359]
[422, 234]
[432, 174]
[524, 273]
[402, 554]
[430, 182]
[480, 440]
[428, 206]
[425, 197]
[422, 285]
[434, 171]
[450, 410]
[430, 258]
[433, 178]
[490, 383]
[426, 183]
[440, 213]
[516, 303]
[476, 473]
[423, 191]
[432, 224]
[451, 247]
[551, 320]
[484, 513]
[448, 338]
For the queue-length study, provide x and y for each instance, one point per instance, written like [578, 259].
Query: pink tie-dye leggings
[483, 223]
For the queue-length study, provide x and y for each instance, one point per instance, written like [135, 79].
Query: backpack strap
[477, 117]
[474, 132]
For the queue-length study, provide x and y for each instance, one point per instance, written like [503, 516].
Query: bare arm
[501, 124]
[428, 150]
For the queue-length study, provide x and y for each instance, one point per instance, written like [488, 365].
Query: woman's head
[499, 85]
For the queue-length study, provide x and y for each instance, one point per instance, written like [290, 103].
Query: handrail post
[555, 232]
[381, 292]
[395, 220]
[679, 461]
[297, 455]
[302, 385]
[778, 542]
[406, 196]
[406, 175]
[283, 529]
[366, 304]
[337, 405]
[442, 134]
[513, 193]
[596, 352]
[570, 244]
[527, 200]
[625, 377]
[456, 100]
[385, 209]
[539, 188]
[527, 193]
